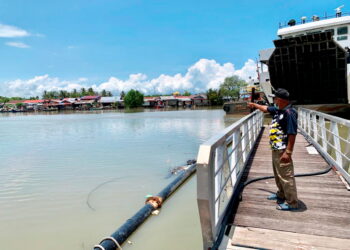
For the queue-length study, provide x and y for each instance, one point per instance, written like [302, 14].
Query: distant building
[169, 101]
[151, 101]
[90, 97]
[110, 101]
[200, 100]
[184, 101]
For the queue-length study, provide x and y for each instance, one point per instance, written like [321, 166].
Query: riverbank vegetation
[228, 90]
[133, 99]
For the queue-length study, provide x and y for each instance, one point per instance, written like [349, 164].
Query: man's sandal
[285, 207]
[274, 197]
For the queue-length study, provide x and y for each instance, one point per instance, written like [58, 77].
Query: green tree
[16, 98]
[231, 86]
[133, 99]
[186, 93]
[122, 95]
[74, 94]
[214, 97]
[19, 105]
[103, 92]
[109, 93]
[91, 91]
[4, 99]
[45, 95]
[83, 92]
[63, 94]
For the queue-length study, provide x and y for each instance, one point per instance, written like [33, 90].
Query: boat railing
[319, 18]
[220, 164]
[330, 135]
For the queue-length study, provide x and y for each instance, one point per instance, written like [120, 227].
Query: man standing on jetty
[283, 131]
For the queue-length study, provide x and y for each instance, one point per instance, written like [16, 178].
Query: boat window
[330, 30]
[340, 38]
[342, 30]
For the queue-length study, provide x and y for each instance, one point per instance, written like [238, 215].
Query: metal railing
[325, 17]
[220, 164]
[330, 135]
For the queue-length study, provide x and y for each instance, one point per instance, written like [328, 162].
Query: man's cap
[281, 93]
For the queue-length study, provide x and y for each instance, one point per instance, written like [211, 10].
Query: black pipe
[135, 221]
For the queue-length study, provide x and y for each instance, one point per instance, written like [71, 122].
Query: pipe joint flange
[155, 201]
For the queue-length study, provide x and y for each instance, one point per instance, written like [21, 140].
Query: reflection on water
[53, 165]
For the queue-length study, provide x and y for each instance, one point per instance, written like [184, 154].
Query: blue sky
[124, 44]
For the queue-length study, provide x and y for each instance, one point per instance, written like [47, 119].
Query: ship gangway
[235, 215]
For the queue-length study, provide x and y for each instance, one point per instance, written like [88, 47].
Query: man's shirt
[284, 123]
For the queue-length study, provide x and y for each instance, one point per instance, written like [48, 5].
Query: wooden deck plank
[243, 235]
[324, 217]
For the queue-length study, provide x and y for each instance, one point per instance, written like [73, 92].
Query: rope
[100, 247]
[97, 187]
[114, 240]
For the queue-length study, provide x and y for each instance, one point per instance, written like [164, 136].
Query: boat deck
[322, 222]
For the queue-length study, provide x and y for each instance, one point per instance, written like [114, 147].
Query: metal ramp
[322, 222]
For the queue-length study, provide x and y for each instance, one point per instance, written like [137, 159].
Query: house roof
[85, 102]
[91, 97]
[33, 101]
[71, 100]
[184, 98]
[26, 101]
[15, 101]
[200, 96]
[151, 98]
[166, 98]
[110, 99]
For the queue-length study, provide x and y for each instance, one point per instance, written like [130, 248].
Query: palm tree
[83, 92]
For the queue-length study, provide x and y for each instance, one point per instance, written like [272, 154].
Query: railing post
[308, 121]
[234, 156]
[250, 133]
[315, 130]
[323, 132]
[254, 127]
[205, 192]
[244, 141]
[220, 161]
[303, 114]
[346, 162]
[335, 133]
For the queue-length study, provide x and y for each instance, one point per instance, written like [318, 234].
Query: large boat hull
[313, 68]
[232, 108]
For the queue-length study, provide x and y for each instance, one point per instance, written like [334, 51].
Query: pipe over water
[119, 237]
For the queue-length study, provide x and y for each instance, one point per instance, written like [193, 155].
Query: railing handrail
[339, 120]
[327, 141]
[216, 139]
[220, 164]
[280, 25]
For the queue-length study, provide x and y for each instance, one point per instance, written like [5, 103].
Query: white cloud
[201, 76]
[12, 31]
[248, 70]
[18, 45]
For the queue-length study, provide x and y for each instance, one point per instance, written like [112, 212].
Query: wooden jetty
[241, 153]
[323, 220]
